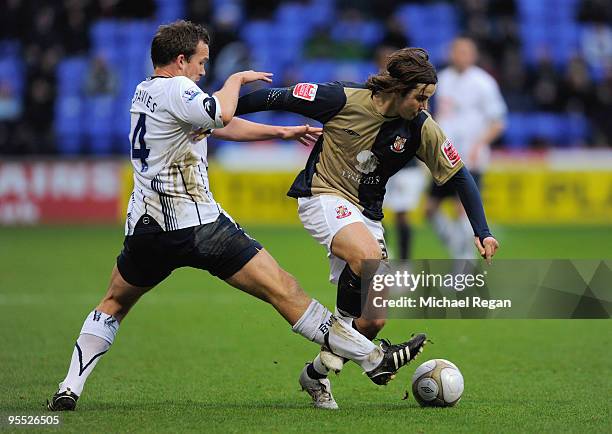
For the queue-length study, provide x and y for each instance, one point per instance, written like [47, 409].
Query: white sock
[346, 319]
[317, 363]
[468, 251]
[97, 335]
[443, 226]
[318, 324]
[318, 366]
[460, 245]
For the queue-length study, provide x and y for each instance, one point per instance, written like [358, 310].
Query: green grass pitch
[198, 356]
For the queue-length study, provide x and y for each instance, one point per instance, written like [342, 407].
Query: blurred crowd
[37, 35]
[41, 33]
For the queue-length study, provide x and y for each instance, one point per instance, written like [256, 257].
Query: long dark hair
[406, 68]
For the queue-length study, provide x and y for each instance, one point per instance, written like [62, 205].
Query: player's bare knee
[368, 251]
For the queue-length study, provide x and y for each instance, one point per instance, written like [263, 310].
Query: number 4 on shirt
[141, 153]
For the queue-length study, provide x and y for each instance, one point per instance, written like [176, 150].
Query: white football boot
[319, 391]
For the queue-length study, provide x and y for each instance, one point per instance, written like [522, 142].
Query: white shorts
[324, 215]
[404, 189]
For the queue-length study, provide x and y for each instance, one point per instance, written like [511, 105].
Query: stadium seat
[276, 45]
[120, 125]
[320, 12]
[11, 71]
[530, 8]
[71, 73]
[99, 128]
[418, 20]
[291, 13]
[257, 32]
[10, 48]
[68, 123]
[317, 71]
[104, 35]
[549, 126]
[565, 43]
[366, 32]
[168, 11]
[577, 129]
[356, 72]
[516, 135]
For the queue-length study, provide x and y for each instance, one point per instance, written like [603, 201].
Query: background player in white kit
[472, 112]
[173, 220]
[404, 191]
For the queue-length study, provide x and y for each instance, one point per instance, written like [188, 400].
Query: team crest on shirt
[342, 212]
[450, 153]
[306, 91]
[399, 145]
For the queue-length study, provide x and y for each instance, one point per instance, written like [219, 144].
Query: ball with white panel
[437, 383]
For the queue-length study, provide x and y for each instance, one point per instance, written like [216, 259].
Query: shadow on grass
[191, 406]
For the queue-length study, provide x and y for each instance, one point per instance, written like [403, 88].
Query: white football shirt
[170, 119]
[467, 103]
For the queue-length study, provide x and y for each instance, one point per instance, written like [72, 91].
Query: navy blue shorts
[445, 190]
[221, 247]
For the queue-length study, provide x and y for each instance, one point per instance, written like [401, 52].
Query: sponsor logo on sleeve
[306, 91]
[190, 94]
[342, 212]
[399, 145]
[451, 153]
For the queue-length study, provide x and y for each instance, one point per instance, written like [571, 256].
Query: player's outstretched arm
[468, 192]
[228, 94]
[317, 101]
[241, 130]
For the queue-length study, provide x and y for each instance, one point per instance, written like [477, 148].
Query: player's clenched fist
[487, 248]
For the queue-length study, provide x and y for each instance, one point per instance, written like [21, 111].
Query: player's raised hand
[305, 134]
[487, 248]
[250, 76]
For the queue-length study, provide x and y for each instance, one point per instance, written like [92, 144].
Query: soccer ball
[437, 383]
